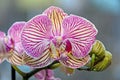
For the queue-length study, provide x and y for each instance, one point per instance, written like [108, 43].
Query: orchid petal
[18, 48]
[15, 31]
[2, 51]
[2, 34]
[16, 59]
[43, 61]
[24, 59]
[36, 35]
[46, 75]
[56, 15]
[81, 34]
[73, 62]
[40, 75]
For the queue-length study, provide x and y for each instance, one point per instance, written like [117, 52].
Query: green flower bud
[99, 50]
[102, 65]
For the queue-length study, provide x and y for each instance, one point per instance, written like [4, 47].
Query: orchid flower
[10, 44]
[55, 35]
[46, 75]
[11, 48]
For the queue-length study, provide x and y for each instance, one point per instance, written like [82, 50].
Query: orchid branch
[26, 76]
[13, 75]
[18, 70]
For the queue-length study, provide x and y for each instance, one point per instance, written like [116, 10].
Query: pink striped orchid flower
[11, 48]
[55, 35]
[10, 45]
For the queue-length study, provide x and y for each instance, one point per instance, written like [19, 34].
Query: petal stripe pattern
[43, 61]
[15, 31]
[2, 47]
[74, 63]
[24, 59]
[81, 34]
[36, 34]
[15, 59]
[56, 15]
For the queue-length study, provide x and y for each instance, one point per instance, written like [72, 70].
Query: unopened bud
[98, 49]
[102, 65]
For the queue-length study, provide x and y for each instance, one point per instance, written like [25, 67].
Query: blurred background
[105, 14]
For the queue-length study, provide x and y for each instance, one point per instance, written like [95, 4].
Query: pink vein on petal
[74, 63]
[15, 31]
[36, 35]
[81, 34]
[56, 15]
[2, 46]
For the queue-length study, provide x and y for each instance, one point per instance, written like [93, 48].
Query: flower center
[9, 43]
[57, 47]
[57, 41]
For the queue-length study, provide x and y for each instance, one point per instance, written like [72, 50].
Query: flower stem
[83, 69]
[26, 76]
[18, 70]
[39, 69]
[13, 75]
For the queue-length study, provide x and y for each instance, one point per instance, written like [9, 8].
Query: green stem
[18, 70]
[13, 75]
[82, 69]
[39, 69]
[26, 76]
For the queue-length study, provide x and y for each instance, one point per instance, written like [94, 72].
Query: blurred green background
[105, 14]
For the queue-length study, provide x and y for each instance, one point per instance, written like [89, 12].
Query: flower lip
[68, 46]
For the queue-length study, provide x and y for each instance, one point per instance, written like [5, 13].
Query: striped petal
[3, 50]
[24, 59]
[43, 61]
[36, 35]
[15, 31]
[73, 62]
[56, 15]
[81, 34]
[16, 59]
